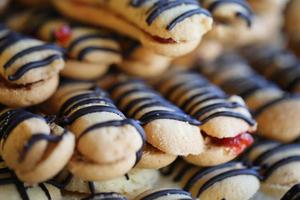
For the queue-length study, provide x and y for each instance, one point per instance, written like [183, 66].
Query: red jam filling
[238, 144]
[62, 34]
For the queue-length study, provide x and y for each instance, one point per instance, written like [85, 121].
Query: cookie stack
[148, 100]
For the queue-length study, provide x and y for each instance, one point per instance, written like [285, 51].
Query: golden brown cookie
[168, 28]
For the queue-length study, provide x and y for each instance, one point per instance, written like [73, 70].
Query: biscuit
[232, 180]
[166, 126]
[27, 64]
[166, 27]
[293, 193]
[164, 194]
[133, 183]
[278, 165]
[12, 188]
[211, 106]
[35, 150]
[152, 158]
[89, 51]
[276, 64]
[97, 196]
[140, 61]
[268, 103]
[105, 139]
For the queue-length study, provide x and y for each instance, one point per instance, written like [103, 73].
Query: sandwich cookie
[12, 188]
[268, 103]
[108, 144]
[216, 110]
[34, 149]
[164, 194]
[170, 28]
[29, 69]
[166, 126]
[231, 180]
[278, 163]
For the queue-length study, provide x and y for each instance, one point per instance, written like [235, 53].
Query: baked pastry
[279, 164]
[140, 61]
[169, 28]
[134, 182]
[268, 103]
[29, 72]
[34, 149]
[166, 126]
[89, 51]
[12, 188]
[276, 64]
[215, 110]
[231, 180]
[166, 194]
[293, 193]
[108, 144]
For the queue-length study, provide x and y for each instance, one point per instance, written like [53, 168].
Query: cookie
[27, 64]
[12, 188]
[89, 51]
[166, 27]
[133, 183]
[268, 103]
[276, 64]
[97, 196]
[232, 180]
[216, 110]
[140, 61]
[164, 194]
[278, 166]
[34, 149]
[107, 142]
[166, 126]
[293, 193]
[153, 158]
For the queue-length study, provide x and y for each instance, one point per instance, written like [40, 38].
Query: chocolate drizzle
[95, 100]
[271, 156]
[227, 170]
[13, 39]
[293, 193]
[276, 64]
[168, 193]
[141, 98]
[161, 6]
[9, 178]
[197, 97]
[76, 42]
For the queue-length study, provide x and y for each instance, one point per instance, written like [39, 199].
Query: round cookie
[215, 110]
[133, 183]
[97, 196]
[268, 103]
[140, 61]
[164, 194]
[34, 149]
[152, 158]
[278, 165]
[27, 65]
[105, 139]
[226, 181]
[166, 126]
[12, 188]
[184, 24]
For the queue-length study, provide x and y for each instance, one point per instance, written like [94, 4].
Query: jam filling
[62, 34]
[238, 143]
[155, 38]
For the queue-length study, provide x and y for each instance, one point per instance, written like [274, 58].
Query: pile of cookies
[149, 100]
